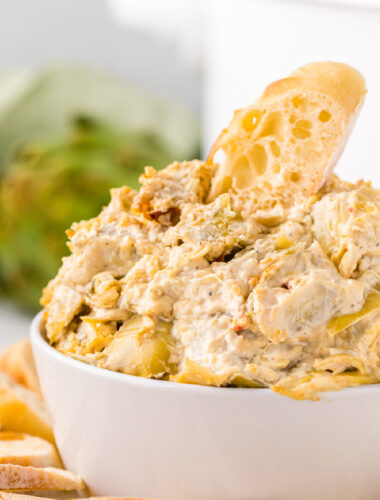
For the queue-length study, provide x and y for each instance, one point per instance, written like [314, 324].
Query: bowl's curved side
[135, 437]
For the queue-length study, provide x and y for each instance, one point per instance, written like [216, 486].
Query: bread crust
[19, 478]
[22, 449]
[18, 363]
[22, 410]
[18, 496]
[5, 495]
[343, 83]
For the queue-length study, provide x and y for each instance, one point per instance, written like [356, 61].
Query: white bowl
[132, 436]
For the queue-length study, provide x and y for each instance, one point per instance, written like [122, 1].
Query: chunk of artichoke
[195, 373]
[240, 380]
[340, 323]
[339, 363]
[142, 347]
[310, 386]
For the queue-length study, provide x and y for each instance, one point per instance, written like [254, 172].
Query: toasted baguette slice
[22, 449]
[19, 478]
[17, 361]
[22, 410]
[17, 496]
[286, 144]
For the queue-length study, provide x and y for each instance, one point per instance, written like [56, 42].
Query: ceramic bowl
[145, 438]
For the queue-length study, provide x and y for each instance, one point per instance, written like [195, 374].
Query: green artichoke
[56, 169]
[49, 184]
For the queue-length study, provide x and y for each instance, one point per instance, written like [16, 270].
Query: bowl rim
[39, 342]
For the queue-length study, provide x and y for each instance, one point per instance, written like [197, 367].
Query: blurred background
[91, 91]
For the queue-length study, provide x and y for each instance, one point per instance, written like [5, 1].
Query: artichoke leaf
[340, 323]
[195, 373]
[240, 380]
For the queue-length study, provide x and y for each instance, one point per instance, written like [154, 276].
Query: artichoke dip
[163, 285]
[169, 284]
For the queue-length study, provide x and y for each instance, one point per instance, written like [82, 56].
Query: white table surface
[14, 324]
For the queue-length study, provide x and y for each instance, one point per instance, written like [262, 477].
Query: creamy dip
[164, 285]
